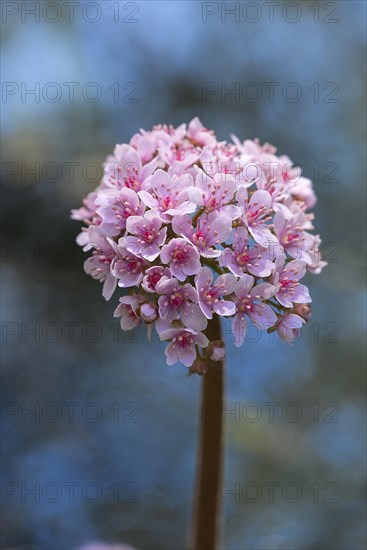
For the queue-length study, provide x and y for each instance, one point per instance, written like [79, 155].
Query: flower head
[191, 227]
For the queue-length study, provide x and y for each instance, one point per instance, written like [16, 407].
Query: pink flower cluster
[193, 227]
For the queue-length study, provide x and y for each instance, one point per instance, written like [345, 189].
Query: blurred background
[99, 434]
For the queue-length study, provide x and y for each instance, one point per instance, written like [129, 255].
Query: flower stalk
[207, 505]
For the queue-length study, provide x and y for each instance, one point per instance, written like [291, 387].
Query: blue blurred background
[109, 450]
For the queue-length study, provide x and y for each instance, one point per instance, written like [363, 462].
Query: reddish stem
[207, 509]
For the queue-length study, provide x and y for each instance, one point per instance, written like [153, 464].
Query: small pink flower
[182, 257]
[257, 212]
[87, 211]
[291, 234]
[116, 206]
[147, 236]
[127, 309]
[146, 145]
[316, 265]
[215, 194]
[182, 346]
[134, 308]
[249, 303]
[127, 268]
[152, 277]
[99, 265]
[211, 230]
[216, 351]
[179, 301]
[167, 196]
[285, 278]
[199, 134]
[241, 258]
[209, 294]
[125, 169]
[289, 327]
[301, 189]
[179, 158]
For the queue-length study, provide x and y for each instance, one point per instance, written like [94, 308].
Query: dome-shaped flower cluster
[194, 227]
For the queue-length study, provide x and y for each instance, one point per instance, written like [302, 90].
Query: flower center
[243, 258]
[179, 255]
[212, 204]
[292, 237]
[153, 280]
[245, 304]
[254, 214]
[199, 238]
[209, 295]
[288, 285]
[148, 235]
[184, 340]
[176, 300]
[131, 180]
[167, 203]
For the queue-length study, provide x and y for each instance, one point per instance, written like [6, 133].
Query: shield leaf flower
[187, 229]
